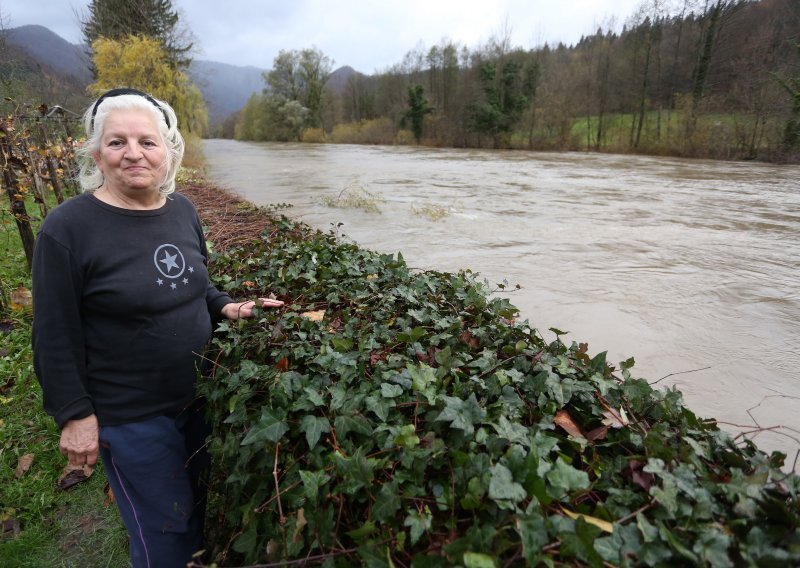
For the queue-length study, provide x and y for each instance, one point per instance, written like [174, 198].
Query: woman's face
[131, 155]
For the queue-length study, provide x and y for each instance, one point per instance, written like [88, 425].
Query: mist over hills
[225, 87]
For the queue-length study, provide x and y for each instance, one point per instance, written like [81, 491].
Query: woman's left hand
[239, 310]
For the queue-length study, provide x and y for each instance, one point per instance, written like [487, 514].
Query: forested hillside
[695, 78]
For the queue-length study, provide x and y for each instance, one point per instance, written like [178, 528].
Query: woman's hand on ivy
[240, 310]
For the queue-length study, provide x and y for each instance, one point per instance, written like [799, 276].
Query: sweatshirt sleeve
[215, 300]
[59, 355]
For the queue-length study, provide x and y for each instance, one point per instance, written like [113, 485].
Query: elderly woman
[123, 307]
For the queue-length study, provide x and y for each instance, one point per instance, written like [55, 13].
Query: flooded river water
[683, 264]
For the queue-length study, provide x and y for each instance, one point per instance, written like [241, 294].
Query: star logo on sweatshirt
[169, 261]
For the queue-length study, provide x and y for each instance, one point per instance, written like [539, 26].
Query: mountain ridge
[224, 86]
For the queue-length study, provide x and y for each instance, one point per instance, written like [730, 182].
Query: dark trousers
[156, 469]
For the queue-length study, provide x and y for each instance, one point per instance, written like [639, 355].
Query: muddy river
[689, 266]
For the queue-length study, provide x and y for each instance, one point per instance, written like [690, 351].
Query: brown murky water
[683, 264]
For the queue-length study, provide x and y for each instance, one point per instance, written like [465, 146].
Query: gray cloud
[368, 35]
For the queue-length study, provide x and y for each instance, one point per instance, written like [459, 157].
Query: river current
[689, 266]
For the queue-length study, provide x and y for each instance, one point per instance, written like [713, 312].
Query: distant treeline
[714, 78]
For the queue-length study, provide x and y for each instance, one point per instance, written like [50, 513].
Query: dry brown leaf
[598, 433]
[110, 499]
[24, 465]
[282, 365]
[318, 315]
[299, 525]
[565, 421]
[615, 419]
[635, 472]
[21, 298]
[10, 527]
[74, 474]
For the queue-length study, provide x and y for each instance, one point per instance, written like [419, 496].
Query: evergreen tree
[418, 107]
[158, 19]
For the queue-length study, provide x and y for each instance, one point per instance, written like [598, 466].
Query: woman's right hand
[80, 441]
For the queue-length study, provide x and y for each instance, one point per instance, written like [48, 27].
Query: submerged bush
[393, 418]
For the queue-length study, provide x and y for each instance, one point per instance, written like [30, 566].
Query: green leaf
[247, 542]
[342, 344]
[712, 547]
[478, 560]
[379, 406]
[676, 544]
[387, 503]
[423, 381]
[314, 426]
[412, 335]
[314, 396]
[363, 531]
[512, 431]
[502, 486]
[389, 390]
[312, 481]
[269, 427]
[462, 414]
[533, 535]
[356, 471]
[563, 479]
[407, 437]
[419, 523]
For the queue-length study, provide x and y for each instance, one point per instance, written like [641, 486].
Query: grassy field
[42, 525]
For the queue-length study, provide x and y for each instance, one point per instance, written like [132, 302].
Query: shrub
[314, 135]
[392, 418]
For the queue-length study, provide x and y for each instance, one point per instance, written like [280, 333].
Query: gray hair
[90, 176]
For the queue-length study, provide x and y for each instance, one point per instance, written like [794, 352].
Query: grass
[47, 526]
[355, 196]
[432, 211]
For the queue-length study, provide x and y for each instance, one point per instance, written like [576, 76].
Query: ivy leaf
[533, 534]
[407, 437]
[363, 531]
[388, 390]
[346, 424]
[512, 431]
[502, 486]
[248, 541]
[563, 479]
[379, 406]
[312, 481]
[423, 381]
[418, 522]
[314, 426]
[314, 396]
[356, 471]
[269, 427]
[478, 560]
[712, 547]
[387, 503]
[462, 414]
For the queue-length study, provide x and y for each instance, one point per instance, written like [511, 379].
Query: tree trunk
[15, 197]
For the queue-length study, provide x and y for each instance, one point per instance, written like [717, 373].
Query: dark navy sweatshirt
[122, 309]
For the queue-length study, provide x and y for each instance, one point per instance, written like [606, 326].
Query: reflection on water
[684, 264]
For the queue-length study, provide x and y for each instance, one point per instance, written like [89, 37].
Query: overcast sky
[367, 35]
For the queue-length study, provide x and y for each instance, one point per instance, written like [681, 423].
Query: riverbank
[418, 420]
[737, 502]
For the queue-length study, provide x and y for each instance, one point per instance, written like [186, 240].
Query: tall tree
[301, 76]
[503, 102]
[140, 62]
[117, 19]
[418, 107]
[791, 132]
